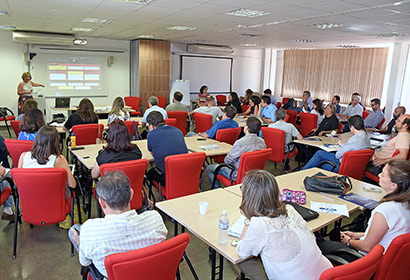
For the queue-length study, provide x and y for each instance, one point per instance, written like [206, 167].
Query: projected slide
[67, 76]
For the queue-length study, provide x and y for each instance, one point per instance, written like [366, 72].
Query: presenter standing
[25, 89]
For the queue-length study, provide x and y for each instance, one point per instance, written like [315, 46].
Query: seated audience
[400, 143]
[163, 140]
[388, 220]
[203, 94]
[32, 121]
[267, 110]
[46, 153]
[3, 153]
[119, 147]
[28, 105]
[357, 94]
[277, 233]
[209, 109]
[318, 110]
[153, 107]
[376, 115]
[250, 142]
[248, 95]
[83, 115]
[398, 111]
[226, 122]
[329, 123]
[306, 105]
[118, 112]
[234, 101]
[177, 105]
[253, 109]
[8, 204]
[121, 230]
[268, 92]
[353, 109]
[359, 141]
[335, 102]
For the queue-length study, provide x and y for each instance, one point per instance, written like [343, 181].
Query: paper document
[360, 200]
[236, 229]
[209, 147]
[330, 208]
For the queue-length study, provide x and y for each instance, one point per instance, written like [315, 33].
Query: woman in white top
[277, 233]
[118, 111]
[318, 110]
[25, 89]
[46, 153]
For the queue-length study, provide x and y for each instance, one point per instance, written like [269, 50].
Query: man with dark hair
[153, 106]
[268, 92]
[177, 105]
[209, 109]
[375, 117]
[359, 141]
[307, 102]
[398, 111]
[226, 122]
[267, 110]
[121, 230]
[250, 142]
[335, 102]
[163, 140]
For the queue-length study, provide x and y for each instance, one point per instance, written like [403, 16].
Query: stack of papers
[209, 147]
[236, 229]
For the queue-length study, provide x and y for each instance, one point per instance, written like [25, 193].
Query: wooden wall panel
[154, 63]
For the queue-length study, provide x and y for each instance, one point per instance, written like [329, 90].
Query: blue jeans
[321, 156]
[224, 171]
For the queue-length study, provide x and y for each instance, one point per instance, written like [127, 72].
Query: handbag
[329, 184]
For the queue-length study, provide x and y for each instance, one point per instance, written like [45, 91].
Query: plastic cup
[203, 207]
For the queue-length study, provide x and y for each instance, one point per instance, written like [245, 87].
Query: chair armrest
[348, 251]
[231, 167]
[93, 270]
[328, 162]
[336, 260]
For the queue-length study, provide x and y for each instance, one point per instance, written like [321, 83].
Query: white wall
[12, 66]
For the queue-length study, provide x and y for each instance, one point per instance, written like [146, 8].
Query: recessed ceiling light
[241, 26]
[248, 35]
[7, 27]
[97, 20]
[249, 45]
[140, 2]
[303, 41]
[83, 29]
[327, 25]
[202, 41]
[347, 46]
[80, 41]
[246, 13]
[389, 35]
[4, 13]
[181, 28]
[145, 36]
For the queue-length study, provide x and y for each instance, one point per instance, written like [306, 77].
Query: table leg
[216, 270]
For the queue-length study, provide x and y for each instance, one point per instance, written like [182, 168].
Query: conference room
[106, 49]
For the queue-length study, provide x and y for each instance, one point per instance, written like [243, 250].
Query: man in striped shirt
[121, 230]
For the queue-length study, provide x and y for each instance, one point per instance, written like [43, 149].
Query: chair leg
[72, 220]
[31, 226]
[8, 129]
[80, 219]
[15, 228]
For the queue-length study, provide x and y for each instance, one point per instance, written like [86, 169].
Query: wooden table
[322, 142]
[241, 120]
[194, 142]
[60, 129]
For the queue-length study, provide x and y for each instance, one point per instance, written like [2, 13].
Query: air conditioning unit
[209, 49]
[43, 38]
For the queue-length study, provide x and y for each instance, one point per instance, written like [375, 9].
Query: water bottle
[73, 140]
[223, 227]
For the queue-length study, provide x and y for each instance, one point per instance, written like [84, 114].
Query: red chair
[143, 263]
[221, 100]
[375, 177]
[134, 102]
[244, 108]
[130, 126]
[177, 185]
[16, 148]
[86, 134]
[135, 171]
[279, 105]
[275, 140]
[285, 100]
[171, 122]
[395, 263]
[361, 269]
[293, 116]
[365, 114]
[181, 119]
[5, 116]
[203, 122]
[354, 163]
[248, 161]
[381, 124]
[339, 128]
[228, 135]
[162, 101]
[42, 194]
[308, 122]
[15, 125]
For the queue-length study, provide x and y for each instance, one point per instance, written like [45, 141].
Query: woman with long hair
[253, 109]
[118, 111]
[84, 115]
[318, 110]
[277, 233]
[32, 121]
[234, 101]
[28, 105]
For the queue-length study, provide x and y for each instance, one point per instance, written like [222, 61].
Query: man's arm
[401, 155]
[203, 134]
[234, 154]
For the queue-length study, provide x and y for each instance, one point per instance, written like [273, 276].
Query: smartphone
[235, 242]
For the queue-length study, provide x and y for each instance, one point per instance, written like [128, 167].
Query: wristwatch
[246, 222]
[348, 243]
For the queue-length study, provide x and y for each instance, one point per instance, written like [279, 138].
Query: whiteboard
[214, 72]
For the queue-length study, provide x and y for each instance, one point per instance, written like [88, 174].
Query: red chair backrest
[293, 116]
[279, 105]
[16, 148]
[16, 127]
[275, 140]
[339, 128]
[395, 263]
[171, 122]
[365, 114]
[135, 171]
[130, 125]
[362, 269]
[287, 118]
[4, 195]
[221, 99]
[159, 261]
[181, 117]
[252, 161]
[162, 101]
[42, 194]
[86, 134]
[381, 124]
[308, 122]
[191, 165]
[244, 108]
[285, 100]
[354, 163]
[227, 135]
[134, 102]
[203, 122]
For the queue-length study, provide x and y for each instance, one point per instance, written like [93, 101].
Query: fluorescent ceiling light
[97, 20]
[389, 35]
[249, 45]
[289, 49]
[83, 29]
[145, 36]
[181, 28]
[347, 46]
[328, 25]
[247, 13]
[140, 2]
[202, 41]
[4, 13]
[303, 41]
[249, 35]
[7, 27]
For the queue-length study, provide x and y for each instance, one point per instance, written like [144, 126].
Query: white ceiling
[289, 20]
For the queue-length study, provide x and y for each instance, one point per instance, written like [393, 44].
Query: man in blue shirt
[227, 122]
[375, 117]
[153, 106]
[268, 110]
[162, 141]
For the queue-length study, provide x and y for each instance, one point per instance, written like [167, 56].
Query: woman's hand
[344, 238]
[352, 235]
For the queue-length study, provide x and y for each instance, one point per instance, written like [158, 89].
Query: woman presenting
[25, 89]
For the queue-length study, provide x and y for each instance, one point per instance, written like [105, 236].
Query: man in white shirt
[354, 109]
[153, 106]
[209, 109]
[121, 230]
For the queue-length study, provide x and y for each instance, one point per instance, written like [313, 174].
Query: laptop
[62, 102]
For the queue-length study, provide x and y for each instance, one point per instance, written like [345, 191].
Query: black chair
[5, 116]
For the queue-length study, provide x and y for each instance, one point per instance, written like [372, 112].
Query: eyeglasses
[372, 105]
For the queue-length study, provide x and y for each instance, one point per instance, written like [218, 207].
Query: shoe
[8, 217]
